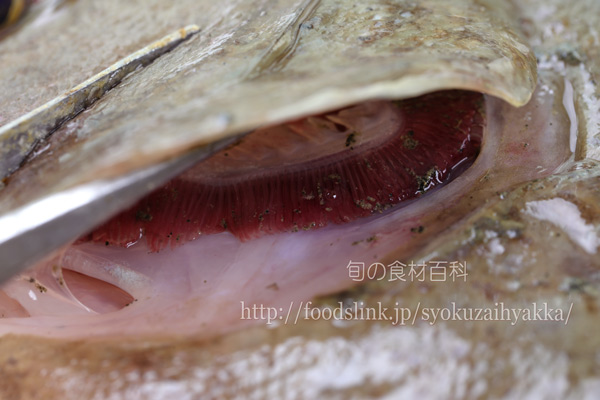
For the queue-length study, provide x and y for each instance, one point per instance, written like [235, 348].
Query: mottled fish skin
[514, 256]
[199, 92]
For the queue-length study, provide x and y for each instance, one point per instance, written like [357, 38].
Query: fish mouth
[129, 271]
[346, 170]
[344, 206]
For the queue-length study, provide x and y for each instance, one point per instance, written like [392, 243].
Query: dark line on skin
[19, 138]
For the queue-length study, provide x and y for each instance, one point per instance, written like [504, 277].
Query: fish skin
[199, 91]
[566, 41]
[465, 361]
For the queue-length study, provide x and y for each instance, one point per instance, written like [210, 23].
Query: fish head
[516, 233]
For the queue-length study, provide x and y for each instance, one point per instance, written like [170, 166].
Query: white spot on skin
[567, 217]
[495, 247]
[490, 234]
[570, 108]
[32, 295]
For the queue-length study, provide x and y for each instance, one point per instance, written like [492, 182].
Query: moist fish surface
[480, 218]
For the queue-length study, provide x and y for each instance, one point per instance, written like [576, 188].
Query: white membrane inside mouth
[307, 140]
